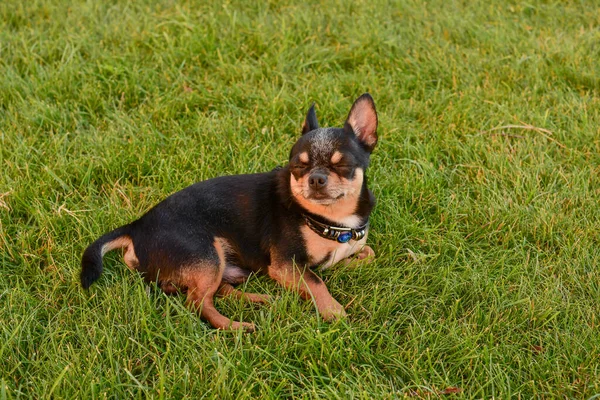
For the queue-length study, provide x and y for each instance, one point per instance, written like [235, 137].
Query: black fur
[91, 261]
[310, 123]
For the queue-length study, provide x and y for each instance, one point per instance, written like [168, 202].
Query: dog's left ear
[310, 123]
[362, 121]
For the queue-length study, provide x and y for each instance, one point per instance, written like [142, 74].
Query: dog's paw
[247, 327]
[366, 254]
[332, 311]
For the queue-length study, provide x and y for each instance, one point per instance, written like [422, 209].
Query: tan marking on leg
[226, 290]
[308, 286]
[130, 258]
[202, 282]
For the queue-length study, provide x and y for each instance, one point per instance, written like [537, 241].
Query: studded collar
[336, 233]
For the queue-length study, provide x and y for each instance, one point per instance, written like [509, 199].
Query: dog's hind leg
[227, 289]
[203, 280]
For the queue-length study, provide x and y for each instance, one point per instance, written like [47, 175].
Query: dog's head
[327, 165]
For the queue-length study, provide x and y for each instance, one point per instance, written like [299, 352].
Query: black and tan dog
[212, 235]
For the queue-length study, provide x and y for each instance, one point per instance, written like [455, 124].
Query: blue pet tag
[344, 237]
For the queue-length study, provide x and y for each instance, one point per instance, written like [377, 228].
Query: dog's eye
[299, 167]
[343, 169]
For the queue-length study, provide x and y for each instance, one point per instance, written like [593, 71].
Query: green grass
[487, 236]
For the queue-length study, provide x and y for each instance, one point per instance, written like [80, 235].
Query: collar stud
[339, 234]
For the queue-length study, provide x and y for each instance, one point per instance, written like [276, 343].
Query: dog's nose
[317, 180]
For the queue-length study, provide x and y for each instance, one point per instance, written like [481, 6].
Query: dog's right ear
[310, 123]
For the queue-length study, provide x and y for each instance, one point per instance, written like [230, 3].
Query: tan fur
[203, 285]
[308, 285]
[336, 157]
[226, 290]
[318, 248]
[339, 210]
[129, 257]
[303, 157]
[363, 121]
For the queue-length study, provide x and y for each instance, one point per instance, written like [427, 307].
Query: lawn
[487, 227]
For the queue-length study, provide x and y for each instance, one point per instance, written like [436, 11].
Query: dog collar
[339, 234]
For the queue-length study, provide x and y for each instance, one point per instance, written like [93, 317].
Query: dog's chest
[325, 252]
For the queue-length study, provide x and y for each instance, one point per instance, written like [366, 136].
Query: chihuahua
[209, 237]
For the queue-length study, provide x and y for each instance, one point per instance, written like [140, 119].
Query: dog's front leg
[309, 286]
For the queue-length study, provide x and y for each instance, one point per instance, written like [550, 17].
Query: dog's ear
[310, 123]
[362, 121]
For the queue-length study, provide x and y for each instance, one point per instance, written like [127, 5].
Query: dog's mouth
[323, 198]
[319, 196]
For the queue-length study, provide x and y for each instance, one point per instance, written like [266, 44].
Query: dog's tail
[91, 261]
